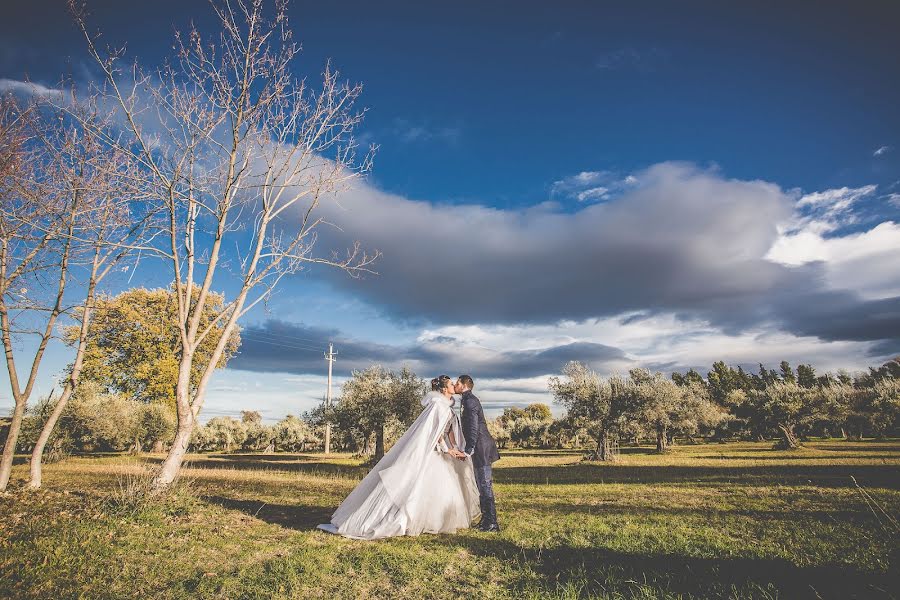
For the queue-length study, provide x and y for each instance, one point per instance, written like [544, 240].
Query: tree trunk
[788, 440]
[37, 454]
[12, 438]
[661, 440]
[379, 443]
[603, 447]
[172, 464]
[844, 434]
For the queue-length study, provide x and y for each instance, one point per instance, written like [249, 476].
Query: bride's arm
[442, 445]
[447, 441]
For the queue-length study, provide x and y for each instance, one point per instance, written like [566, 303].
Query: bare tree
[49, 169]
[106, 231]
[241, 155]
[33, 217]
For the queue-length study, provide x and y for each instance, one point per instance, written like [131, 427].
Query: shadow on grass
[292, 516]
[538, 453]
[819, 475]
[866, 446]
[270, 462]
[613, 509]
[861, 455]
[599, 571]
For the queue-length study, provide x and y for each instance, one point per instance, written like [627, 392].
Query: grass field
[705, 521]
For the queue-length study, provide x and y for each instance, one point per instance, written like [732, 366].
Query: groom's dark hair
[467, 381]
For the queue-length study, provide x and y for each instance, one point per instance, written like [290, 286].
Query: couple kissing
[435, 479]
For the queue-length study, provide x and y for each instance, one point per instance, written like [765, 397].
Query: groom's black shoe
[489, 518]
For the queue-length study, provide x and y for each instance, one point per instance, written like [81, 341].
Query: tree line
[96, 421]
[376, 405]
[730, 403]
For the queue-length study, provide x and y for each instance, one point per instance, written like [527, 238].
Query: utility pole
[329, 356]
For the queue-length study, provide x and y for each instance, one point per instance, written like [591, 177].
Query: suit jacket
[479, 443]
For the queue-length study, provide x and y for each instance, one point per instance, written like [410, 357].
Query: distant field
[705, 521]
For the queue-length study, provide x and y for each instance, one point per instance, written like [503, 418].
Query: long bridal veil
[415, 488]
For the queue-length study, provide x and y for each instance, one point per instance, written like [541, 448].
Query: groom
[481, 448]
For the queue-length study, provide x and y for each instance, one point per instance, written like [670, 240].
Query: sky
[641, 184]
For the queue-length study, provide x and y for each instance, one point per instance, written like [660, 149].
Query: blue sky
[725, 180]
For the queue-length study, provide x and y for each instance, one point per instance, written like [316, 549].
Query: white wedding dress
[416, 487]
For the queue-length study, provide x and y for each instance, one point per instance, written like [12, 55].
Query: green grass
[705, 521]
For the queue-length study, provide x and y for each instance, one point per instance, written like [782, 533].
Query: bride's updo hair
[439, 383]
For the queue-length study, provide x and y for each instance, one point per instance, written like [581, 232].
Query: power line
[277, 345]
[301, 348]
[282, 344]
[255, 337]
[281, 335]
[280, 339]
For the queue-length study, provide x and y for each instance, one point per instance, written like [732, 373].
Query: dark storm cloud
[843, 316]
[682, 240]
[277, 346]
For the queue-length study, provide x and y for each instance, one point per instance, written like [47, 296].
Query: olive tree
[375, 399]
[667, 408]
[293, 434]
[601, 406]
[784, 405]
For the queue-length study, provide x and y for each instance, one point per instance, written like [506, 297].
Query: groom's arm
[472, 426]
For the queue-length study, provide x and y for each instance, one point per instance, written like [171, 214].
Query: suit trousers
[485, 483]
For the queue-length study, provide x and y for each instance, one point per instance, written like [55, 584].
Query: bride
[420, 485]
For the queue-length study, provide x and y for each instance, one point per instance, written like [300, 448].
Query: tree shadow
[831, 476]
[539, 453]
[301, 517]
[862, 455]
[270, 462]
[598, 571]
[613, 509]
[865, 446]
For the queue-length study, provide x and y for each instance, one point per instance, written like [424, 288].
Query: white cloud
[597, 193]
[644, 59]
[593, 185]
[826, 211]
[881, 150]
[27, 88]
[662, 339]
[863, 261]
[413, 132]
[273, 395]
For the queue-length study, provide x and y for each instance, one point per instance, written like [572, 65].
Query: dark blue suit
[482, 448]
